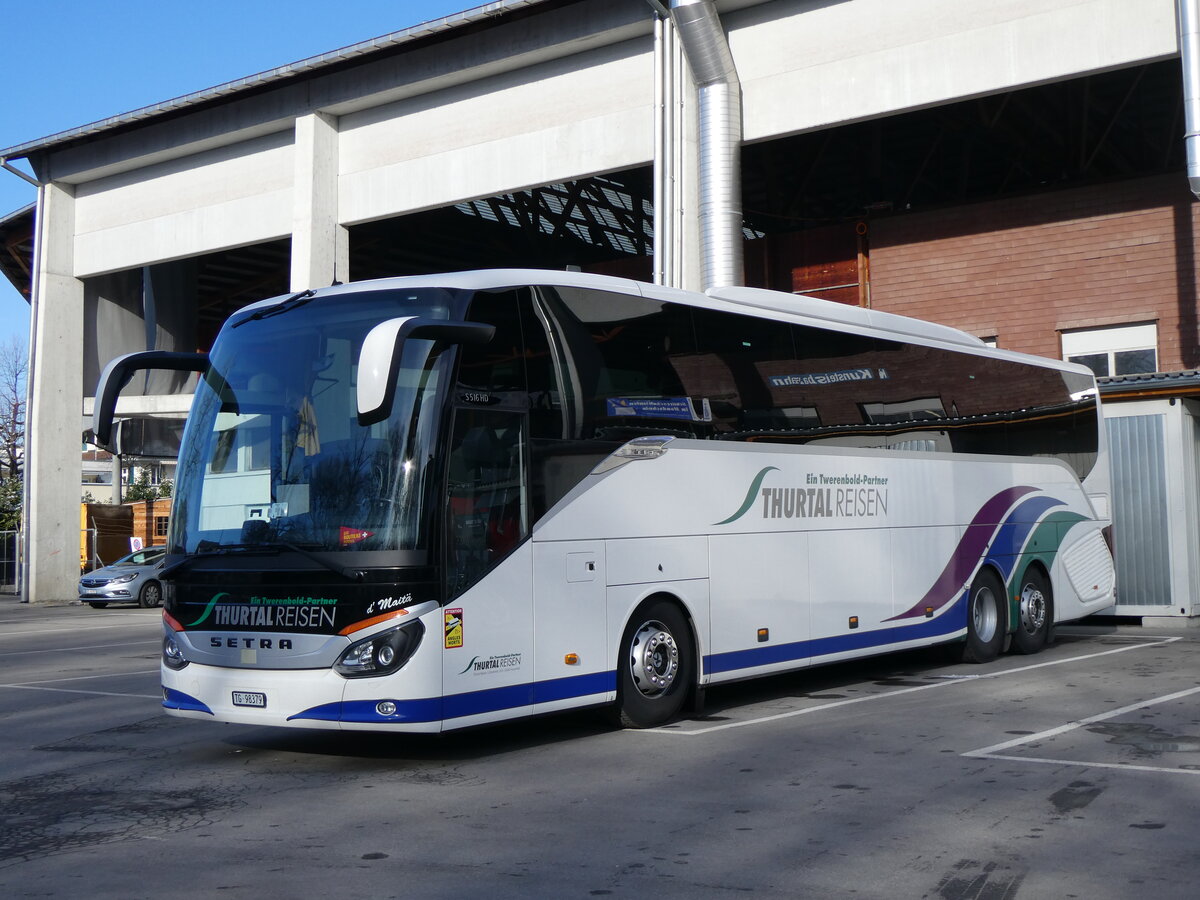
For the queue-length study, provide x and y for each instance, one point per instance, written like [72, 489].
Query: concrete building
[1015, 168]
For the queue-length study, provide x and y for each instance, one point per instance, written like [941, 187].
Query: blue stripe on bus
[173, 699]
[503, 698]
[460, 705]
[574, 686]
[949, 622]
[366, 711]
[493, 700]
[1011, 537]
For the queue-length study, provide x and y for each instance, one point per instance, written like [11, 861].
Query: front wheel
[655, 665]
[985, 618]
[151, 595]
[1035, 614]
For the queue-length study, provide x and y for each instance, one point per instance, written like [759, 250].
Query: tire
[986, 618]
[655, 665]
[1035, 612]
[151, 595]
[97, 605]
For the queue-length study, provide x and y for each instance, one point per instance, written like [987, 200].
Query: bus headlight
[381, 654]
[171, 653]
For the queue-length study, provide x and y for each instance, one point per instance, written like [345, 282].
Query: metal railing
[11, 554]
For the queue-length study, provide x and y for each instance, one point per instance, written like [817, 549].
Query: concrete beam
[421, 68]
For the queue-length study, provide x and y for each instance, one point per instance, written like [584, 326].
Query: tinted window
[520, 369]
[619, 355]
[772, 381]
[487, 512]
[595, 369]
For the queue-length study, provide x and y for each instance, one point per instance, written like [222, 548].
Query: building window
[160, 526]
[1116, 350]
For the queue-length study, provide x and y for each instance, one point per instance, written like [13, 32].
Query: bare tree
[13, 367]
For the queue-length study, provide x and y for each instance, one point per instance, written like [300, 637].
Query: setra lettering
[248, 643]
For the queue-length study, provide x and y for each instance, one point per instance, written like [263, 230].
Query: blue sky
[73, 62]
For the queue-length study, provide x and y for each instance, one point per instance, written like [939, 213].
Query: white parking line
[992, 752]
[30, 687]
[81, 678]
[1149, 641]
[41, 685]
[73, 629]
[70, 649]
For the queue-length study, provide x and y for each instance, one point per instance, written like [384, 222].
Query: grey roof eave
[308, 66]
[21, 212]
[1188, 378]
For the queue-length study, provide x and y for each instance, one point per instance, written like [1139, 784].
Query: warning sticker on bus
[454, 628]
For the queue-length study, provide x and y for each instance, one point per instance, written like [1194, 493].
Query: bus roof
[822, 313]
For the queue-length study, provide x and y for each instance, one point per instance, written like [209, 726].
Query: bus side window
[487, 509]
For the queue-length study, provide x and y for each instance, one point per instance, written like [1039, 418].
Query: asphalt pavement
[1073, 773]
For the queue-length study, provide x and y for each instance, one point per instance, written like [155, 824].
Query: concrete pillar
[53, 461]
[320, 245]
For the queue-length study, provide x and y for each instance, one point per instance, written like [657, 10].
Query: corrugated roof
[16, 248]
[291, 70]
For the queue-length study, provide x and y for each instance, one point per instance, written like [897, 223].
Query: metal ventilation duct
[707, 51]
[1189, 52]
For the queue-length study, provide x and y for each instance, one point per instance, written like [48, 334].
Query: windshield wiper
[279, 308]
[206, 548]
[271, 548]
[344, 571]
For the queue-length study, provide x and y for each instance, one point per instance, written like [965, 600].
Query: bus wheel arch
[987, 617]
[656, 663]
[1034, 614]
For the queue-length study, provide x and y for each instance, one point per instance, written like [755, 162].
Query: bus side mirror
[383, 347]
[119, 372]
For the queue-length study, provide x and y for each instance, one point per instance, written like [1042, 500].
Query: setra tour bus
[427, 503]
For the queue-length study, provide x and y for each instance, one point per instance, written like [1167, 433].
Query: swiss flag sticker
[353, 535]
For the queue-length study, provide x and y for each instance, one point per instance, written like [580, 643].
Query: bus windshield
[274, 454]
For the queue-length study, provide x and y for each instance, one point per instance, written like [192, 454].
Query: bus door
[488, 619]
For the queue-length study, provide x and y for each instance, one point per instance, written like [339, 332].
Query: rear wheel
[985, 618]
[1035, 612]
[151, 595]
[655, 665]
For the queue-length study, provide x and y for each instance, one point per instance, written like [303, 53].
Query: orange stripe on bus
[374, 620]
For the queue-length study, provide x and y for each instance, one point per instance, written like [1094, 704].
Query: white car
[131, 579]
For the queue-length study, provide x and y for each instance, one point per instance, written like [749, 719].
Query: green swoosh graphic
[750, 496]
[471, 663]
[208, 609]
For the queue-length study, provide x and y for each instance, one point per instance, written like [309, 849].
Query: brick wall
[1024, 269]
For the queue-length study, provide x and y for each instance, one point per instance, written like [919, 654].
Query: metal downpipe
[1189, 54]
[720, 139]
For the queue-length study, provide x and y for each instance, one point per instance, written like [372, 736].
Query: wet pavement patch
[1075, 796]
[49, 814]
[1146, 740]
[971, 879]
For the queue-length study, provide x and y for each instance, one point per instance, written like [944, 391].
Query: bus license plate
[250, 698]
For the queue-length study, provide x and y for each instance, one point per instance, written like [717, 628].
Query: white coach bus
[434, 502]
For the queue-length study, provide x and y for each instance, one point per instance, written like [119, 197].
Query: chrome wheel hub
[983, 614]
[1033, 609]
[654, 659]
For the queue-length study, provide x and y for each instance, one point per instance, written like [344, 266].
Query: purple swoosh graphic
[968, 552]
